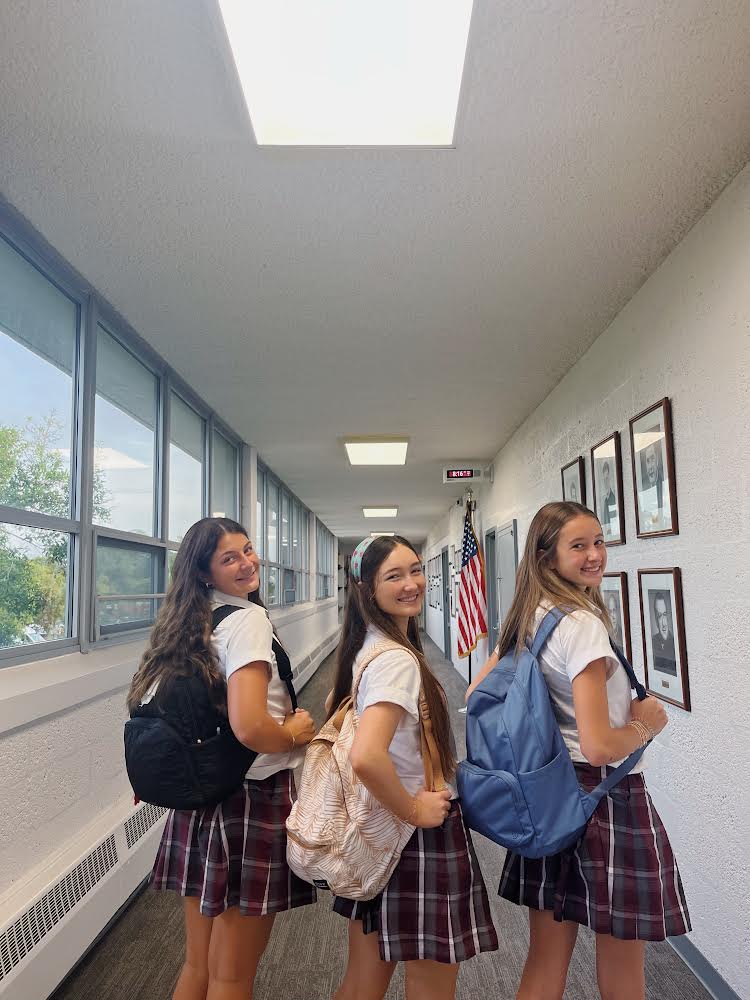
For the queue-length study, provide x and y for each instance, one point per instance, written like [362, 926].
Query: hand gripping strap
[433, 772]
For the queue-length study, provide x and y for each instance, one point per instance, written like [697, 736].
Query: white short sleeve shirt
[246, 637]
[393, 677]
[579, 639]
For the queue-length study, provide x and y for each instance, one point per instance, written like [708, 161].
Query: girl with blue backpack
[620, 879]
[227, 858]
[433, 912]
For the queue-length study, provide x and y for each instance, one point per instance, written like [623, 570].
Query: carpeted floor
[140, 957]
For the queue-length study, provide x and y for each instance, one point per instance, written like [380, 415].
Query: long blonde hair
[537, 581]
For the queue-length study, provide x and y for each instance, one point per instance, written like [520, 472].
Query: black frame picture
[652, 460]
[573, 476]
[611, 512]
[663, 632]
[620, 612]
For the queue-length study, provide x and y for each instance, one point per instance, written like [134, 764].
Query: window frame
[92, 311]
[267, 479]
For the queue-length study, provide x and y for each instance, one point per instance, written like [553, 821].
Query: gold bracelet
[294, 742]
[643, 731]
[412, 812]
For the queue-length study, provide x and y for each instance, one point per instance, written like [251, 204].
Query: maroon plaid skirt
[620, 879]
[234, 854]
[435, 905]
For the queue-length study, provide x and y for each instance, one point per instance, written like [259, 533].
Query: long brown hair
[360, 612]
[537, 581]
[180, 641]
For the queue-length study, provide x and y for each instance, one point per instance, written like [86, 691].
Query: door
[506, 564]
[493, 617]
[446, 605]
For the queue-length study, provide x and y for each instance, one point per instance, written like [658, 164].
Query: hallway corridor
[140, 957]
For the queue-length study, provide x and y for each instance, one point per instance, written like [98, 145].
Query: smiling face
[399, 585]
[652, 466]
[580, 553]
[234, 566]
[662, 617]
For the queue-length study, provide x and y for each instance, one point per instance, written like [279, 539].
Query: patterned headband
[355, 566]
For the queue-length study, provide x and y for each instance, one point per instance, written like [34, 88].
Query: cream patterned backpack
[339, 836]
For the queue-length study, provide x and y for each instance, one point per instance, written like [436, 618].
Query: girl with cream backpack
[419, 896]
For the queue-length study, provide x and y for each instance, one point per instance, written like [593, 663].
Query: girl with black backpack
[621, 878]
[434, 912]
[228, 860]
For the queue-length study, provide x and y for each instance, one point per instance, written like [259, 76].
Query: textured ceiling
[311, 293]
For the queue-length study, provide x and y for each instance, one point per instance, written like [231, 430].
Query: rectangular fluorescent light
[338, 73]
[380, 511]
[377, 534]
[374, 452]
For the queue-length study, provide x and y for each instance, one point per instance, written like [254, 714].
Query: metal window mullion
[142, 541]
[33, 519]
[166, 411]
[208, 465]
[84, 563]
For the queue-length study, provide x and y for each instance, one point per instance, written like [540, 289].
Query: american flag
[472, 607]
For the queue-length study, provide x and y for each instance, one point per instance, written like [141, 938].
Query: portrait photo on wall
[663, 627]
[614, 588]
[652, 454]
[574, 481]
[606, 479]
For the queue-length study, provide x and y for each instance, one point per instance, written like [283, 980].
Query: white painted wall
[686, 335]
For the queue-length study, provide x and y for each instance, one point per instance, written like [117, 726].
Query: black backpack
[180, 751]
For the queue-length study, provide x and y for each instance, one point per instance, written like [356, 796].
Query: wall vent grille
[141, 822]
[18, 940]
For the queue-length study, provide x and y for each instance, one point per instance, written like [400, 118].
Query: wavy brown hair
[180, 641]
[361, 611]
[537, 581]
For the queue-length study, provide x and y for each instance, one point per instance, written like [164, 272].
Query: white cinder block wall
[686, 335]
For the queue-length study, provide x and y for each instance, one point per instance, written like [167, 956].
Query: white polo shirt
[245, 637]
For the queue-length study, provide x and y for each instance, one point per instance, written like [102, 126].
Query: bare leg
[550, 948]
[193, 981]
[367, 975]
[619, 968]
[427, 980]
[237, 945]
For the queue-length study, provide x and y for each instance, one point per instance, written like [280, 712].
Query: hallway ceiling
[311, 293]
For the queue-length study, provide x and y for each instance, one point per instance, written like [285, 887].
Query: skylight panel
[350, 72]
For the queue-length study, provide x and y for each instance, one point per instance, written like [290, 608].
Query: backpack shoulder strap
[547, 626]
[219, 614]
[433, 772]
[634, 682]
[282, 659]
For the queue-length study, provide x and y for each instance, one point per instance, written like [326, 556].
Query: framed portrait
[652, 456]
[606, 481]
[663, 627]
[614, 590]
[573, 477]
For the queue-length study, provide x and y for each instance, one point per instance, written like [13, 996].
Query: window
[283, 537]
[39, 327]
[224, 478]
[186, 459]
[93, 500]
[325, 559]
[126, 413]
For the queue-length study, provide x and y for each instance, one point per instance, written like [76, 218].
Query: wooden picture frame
[663, 632]
[608, 499]
[573, 476]
[652, 461]
[619, 611]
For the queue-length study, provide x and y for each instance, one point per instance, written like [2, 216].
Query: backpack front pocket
[493, 805]
[553, 798]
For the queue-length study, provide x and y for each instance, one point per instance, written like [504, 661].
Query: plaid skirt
[621, 878]
[435, 905]
[234, 854]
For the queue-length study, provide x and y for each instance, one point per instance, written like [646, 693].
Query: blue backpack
[518, 785]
